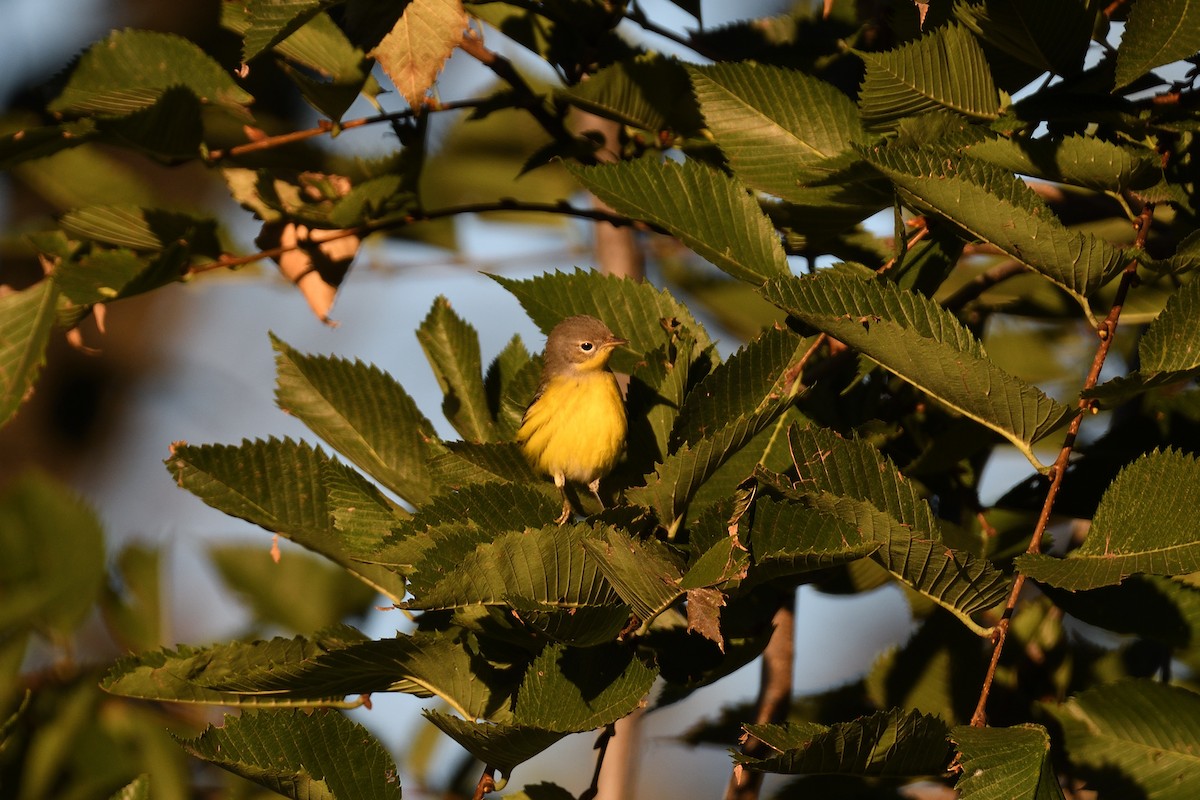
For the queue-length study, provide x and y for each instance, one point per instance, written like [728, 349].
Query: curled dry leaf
[316, 260]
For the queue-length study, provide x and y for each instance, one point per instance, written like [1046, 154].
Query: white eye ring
[586, 346]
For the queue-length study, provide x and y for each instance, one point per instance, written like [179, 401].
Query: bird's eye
[586, 346]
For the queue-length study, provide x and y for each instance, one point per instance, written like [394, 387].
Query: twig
[327, 126]
[606, 735]
[487, 783]
[504, 204]
[1107, 332]
[638, 17]
[774, 695]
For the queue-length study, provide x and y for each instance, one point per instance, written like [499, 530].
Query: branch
[1107, 332]
[487, 783]
[504, 204]
[326, 126]
[774, 695]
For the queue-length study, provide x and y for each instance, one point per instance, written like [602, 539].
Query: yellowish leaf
[415, 50]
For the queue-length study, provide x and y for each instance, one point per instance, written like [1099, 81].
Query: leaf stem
[1106, 331]
[487, 783]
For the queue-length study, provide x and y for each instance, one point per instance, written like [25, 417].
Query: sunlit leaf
[1145, 523]
[413, 53]
[580, 689]
[502, 746]
[452, 346]
[1005, 763]
[26, 319]
[301, 755]
[1157, 33]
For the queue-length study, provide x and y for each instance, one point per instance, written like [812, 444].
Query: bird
[574, 428]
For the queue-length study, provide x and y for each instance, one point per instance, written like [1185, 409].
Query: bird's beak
[615, 342]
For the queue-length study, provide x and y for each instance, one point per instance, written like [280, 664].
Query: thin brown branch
[504, 204]
[774, 695]
[1106, 331]
[487, 783]
[601, 746]
[327, 127]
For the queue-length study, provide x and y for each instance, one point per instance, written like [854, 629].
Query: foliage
[1032, 172]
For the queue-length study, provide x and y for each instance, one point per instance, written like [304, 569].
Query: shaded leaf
[1005, 763]
[917, 339]
[1135, 735]
[26, 319]
[710, 212]
[774, 124]
[945, 68]
[302, 755]
[569, 689]
[1157, 33]
[1051, 37]
[272, 21]
[1145, 523]
[642, 572]
[502, 746]
[892, 743]
[1080, 160]
[649, 92]
[452, 346]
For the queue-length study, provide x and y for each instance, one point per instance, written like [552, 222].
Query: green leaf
[510, 382]
[892, 743]
[774, 124]
[853, 481]
[918, 340]
[502, 746]
[1145, 523]
[1080, 160]
[302, 755]
[1005, 763]
[996, 207]
[648, 92]
[188, 674]
[272, 21]
[452, 346]
[1052, 36]
[546, 565]
[52, 568]
[710, 212]
[642, 572]
[133, 603]
[428, 663]
[1135, 736]
[280, 486]
[131, 69]
[634, 310]
[945, 68]
[26, 319]
[301, 593]
[571, 689]
[1157, 33]
[364, 414]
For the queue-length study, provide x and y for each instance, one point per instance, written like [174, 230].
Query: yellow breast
[576, 428]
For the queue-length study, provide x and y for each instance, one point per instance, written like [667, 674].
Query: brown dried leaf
[704, 614]
[415, 50]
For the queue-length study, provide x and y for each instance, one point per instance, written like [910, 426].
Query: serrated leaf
[648, 92]
[279, 485]
[918, 340]
[510, 383]
[892, 743]
[570, 689]
[363, 413]
[772, 123]
[642, 572]
[994, 206]
[413, 52]
[269, 22]
[853, 481]
[302, 755]
[502, 746]
[1005, 763]
[131, 69]
[548, 565]
[1157, 33]
[1051, 37]
[634, 310]
[710, 212]
[452, 346]
[446, 664]
[175, 675]
[1145, 523]
[945, 68]
[1080, 160]
[1135, 735]
[26, 319]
